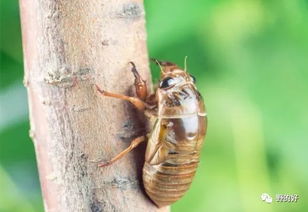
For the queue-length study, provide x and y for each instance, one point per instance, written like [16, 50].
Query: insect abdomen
[173, 151]
[167, 182]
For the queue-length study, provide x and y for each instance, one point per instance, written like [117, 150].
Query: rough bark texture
[68, 47]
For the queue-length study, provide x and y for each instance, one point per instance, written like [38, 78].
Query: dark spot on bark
[96, 206]
[105, 43]
[82, 165]
[127, 124]
[83, 156]
[129, 131]
[83, 71]
[131, 10]
[124, 183]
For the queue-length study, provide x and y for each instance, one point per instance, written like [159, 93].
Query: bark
[68, 47]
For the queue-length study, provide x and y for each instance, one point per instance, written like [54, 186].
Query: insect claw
[134, 70]
[104, 164]
[100, 163]
[133, 64]
[100, 90]
[140, 84]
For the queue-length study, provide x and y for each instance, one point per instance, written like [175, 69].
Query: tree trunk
[68, 47]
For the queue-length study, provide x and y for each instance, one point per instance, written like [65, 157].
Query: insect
[176, 128]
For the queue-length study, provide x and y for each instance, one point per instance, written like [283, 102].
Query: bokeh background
[250, 58]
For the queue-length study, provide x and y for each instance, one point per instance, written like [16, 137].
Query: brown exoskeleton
[176, 130]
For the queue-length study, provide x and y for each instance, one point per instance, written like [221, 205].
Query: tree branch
[68, 47]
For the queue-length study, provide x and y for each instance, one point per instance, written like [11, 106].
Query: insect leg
[133, 145]
[139, 104]
[140, 84]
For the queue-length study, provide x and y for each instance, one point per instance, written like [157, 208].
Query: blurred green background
[250, 58]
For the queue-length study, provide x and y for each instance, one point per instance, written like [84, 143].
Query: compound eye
[193, 78]
[167, 82]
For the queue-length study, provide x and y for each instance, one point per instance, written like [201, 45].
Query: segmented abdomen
[172, 157]
[167, 182]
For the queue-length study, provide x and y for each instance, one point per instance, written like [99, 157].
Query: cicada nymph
[176, 128]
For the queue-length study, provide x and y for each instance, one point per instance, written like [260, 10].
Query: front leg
[140, 84]
[139, 104]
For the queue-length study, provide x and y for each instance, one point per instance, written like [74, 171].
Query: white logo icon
[266, 198]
